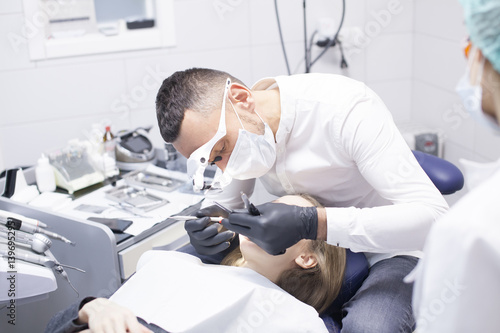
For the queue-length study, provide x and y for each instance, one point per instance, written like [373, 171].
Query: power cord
[281, 36]
[308, 45]
[333, 41]
[343, 62]
[307, 54]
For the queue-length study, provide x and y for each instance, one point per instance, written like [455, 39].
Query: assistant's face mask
[253, 155]
[472, 95]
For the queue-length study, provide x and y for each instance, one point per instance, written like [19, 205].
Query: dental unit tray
[146, 179]
[130, 197]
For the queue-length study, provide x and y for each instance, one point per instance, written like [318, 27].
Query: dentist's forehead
[196, 130]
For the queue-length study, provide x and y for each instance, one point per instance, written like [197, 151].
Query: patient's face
[268, 265]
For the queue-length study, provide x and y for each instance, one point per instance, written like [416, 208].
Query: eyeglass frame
[200, 158]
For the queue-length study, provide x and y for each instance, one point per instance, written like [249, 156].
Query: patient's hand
[105, 316]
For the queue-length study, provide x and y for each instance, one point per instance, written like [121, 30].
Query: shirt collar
[287, 116]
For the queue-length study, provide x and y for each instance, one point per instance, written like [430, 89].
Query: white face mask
[253, 155]
[471, 96]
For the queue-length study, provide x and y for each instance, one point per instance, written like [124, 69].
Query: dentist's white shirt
[337, 141]
[457, 283]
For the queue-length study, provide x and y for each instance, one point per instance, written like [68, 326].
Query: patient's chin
[247, 245]
[245, 240]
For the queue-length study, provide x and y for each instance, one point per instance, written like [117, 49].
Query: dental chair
[446, 177]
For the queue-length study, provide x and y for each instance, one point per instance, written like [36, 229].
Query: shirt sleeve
[456, 285]
[369, 137]
[65, 320]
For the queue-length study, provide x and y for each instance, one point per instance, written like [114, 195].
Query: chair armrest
[445, 175]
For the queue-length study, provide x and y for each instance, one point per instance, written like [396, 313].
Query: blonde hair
[317, 286]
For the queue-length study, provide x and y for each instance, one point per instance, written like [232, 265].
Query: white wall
[43, 104]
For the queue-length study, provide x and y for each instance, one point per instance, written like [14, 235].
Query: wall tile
[264, 26]
[391, 15]
[60, 92]
[440, 109]
[486, 143]
[396, 96]
[268, 60]
[443, 18]
[145, 75]
[331, 60]
[14, 45]
[103, 57]
[355, 14]
[389, 57]
[438, 62]
[11, 6]
[199, 26]
[43, 136]
[146, 118]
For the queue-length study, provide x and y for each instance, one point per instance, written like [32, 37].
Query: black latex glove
[277, 228]
[204, 234]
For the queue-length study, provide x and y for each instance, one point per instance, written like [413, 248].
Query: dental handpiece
[39, 243]
[19, 225]
[24, 219]
[48, 261]
[29, 257]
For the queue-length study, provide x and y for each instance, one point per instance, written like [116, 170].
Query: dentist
[457, 285]
[322, 134]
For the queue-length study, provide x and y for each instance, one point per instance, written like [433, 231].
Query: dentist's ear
[240, 95]
[306, 260]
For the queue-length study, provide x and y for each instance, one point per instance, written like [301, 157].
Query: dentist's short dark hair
[197, 89]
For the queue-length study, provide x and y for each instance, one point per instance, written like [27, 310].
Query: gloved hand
[204, 235]
[277, 228]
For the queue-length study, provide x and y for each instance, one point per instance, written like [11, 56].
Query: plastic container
[44, 174]
[109, 143]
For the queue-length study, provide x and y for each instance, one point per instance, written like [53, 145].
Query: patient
[311, 270]
[196, 297]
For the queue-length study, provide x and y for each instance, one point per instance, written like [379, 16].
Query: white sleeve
[370, 138]
[456, 286]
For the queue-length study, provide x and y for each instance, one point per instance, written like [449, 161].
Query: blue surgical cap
[482, 18]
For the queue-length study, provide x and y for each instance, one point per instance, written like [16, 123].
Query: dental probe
[249, 206]
[58, 267]
[19, 225]
[24, 219]
[190, 217]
